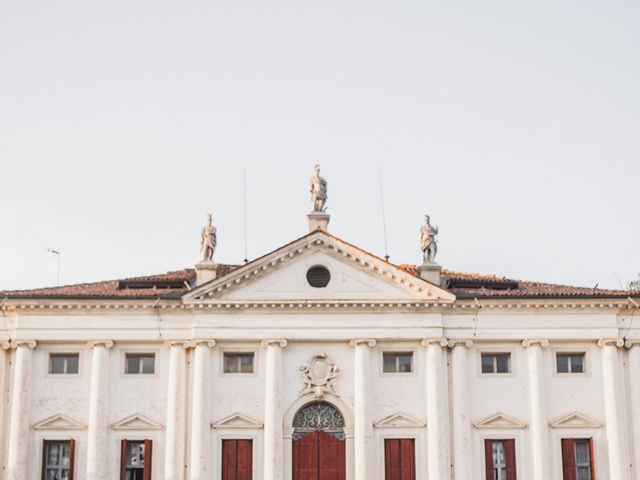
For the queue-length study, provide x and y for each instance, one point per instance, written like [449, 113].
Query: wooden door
[318, 456]
[399, 459]
[237, 459]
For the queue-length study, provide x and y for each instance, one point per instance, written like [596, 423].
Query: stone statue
[318, 191]
[208, 241]
[428, 241]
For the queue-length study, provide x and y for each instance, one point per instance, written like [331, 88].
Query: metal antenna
[244, 185]
[58, 253]
[384, 221]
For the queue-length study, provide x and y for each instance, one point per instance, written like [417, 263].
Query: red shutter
[123, 461]
[592, 457]
[245, 460]
[510, 457]
[229, 459]
[148, 455]
[72, 458]
[407, 460]
[392, 459]
[44, 459]
[568, 459]
[488, 459]
[400, 463]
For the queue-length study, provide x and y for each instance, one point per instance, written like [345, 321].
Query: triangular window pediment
[399, 420]
[136, 422]
[354, 275]
[237, 420]
[575, 420]
[59, 422]
[499, 420]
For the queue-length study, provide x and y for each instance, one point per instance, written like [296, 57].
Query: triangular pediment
[59, 422]
[136, 422]
[575, 420]
[499, 420]
[237, 420]
[399, 420]
[282, 276]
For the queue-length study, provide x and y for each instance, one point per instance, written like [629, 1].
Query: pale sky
[514, 124]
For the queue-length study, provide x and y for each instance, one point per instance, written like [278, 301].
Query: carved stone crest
[318, 375]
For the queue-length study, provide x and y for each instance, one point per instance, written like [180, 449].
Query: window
[63, 363]
[570, 362]
[140, 363]
[318, 276]
[136, 460]
[577, 459]
[397, 362]
[399, 459]
[500, 459]
[57, 459]
[496, 362]
[237, 459]
[241, 362]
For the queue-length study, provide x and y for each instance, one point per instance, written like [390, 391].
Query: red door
[399, 459]
[237, 459]
[318, 456]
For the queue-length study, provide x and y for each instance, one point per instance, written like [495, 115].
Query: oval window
[318, 276]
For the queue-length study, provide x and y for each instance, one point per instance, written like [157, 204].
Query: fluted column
[273, 440]
[18, 458]
[4, 346]
[175, 433]
[438, 455]
[613, 412]
[363, 424]
[634, 390]
[98, 415]
[462, 448]
[200, 427]
[537, 406]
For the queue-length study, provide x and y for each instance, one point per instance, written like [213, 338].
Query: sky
[515, 125]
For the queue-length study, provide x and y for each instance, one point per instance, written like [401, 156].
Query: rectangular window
[63, 363]
[496, 362]
[58, 459]
[570, 362]
[577, 459]
[399, 459]
[397, 362]
[135, 462]
[140, 363]
[237, 460]
[238, 362]
[500, 459]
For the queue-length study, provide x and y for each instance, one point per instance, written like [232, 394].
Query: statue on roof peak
[208, 241]
[318, 190]
[428, 241]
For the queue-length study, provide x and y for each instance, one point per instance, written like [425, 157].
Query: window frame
[399, 348]
[147, 469]
[52, 354]
[238, 355]
[72, 454]
[568, 351]
[574, 464]
[397, 354]
[62, 350]
[497, 351]
[156, 363]
[240, 348]
[501, 438]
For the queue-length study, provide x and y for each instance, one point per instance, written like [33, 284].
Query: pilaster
[176, 412]
[273, 443]
[462, 442]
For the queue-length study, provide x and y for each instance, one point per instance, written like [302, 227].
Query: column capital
[5, 345]
[632, 342]
[179, 343]
[23, 343]
[354, 342]
[274, 341]
[531, 342]
[108, 344]
[611, 342]
[459, 342]
[432, 341]
[209, 342]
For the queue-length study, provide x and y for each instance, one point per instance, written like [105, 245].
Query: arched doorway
[318, 443]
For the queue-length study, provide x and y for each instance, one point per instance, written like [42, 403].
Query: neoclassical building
[319, 361]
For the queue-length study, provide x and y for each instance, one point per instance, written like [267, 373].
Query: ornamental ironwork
[318, 416]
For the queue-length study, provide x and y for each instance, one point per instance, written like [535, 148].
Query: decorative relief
[318, 416]
[318, 375]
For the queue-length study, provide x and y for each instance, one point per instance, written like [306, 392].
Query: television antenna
[58, 254]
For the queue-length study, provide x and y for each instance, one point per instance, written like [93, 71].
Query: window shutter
[245, 460]
[510, 457]
[148, 444]
[488, 458]
[568, 460]
[72, 458]
[123, 461]
[592, 457]
[44, 459]
[392, 459]
[407, 460]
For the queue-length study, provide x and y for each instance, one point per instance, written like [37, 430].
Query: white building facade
[319, 361]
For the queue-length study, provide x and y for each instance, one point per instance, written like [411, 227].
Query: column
[200, 426]
[462, 450]
[273, 442]
[438, 455]
[175, 432]
[363, 424]
[18, 450]
[537, 407]
[613, 413]
[4, 346]
[634, 390]
[97, 444]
